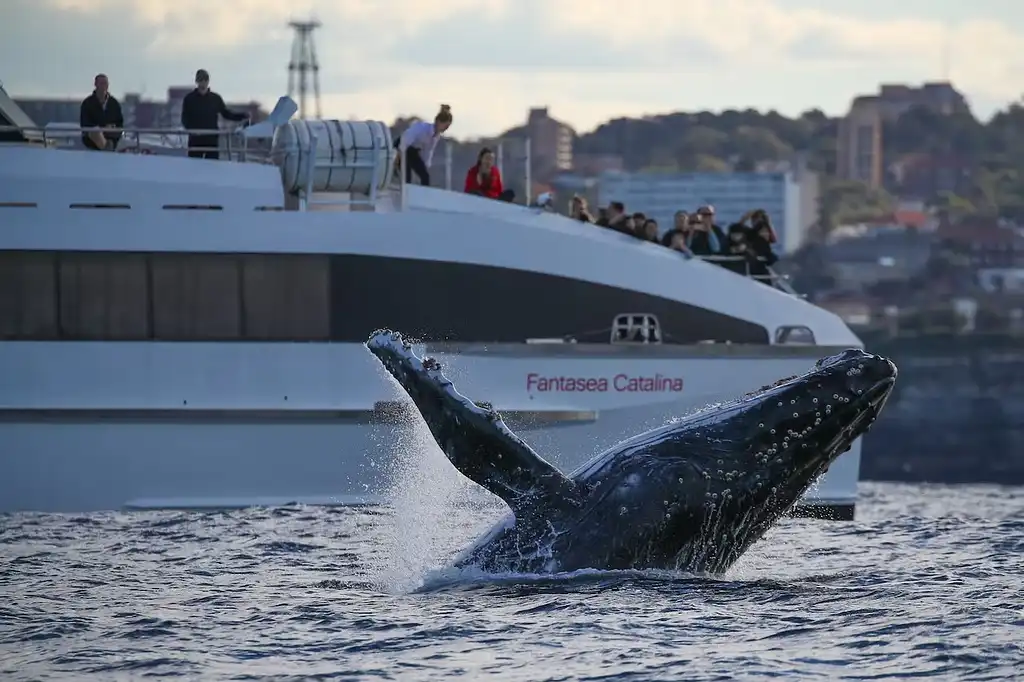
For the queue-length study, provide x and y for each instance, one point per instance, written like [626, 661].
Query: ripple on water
[926, 583]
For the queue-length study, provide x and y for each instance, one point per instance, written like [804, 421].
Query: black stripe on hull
[123, 296]
[466, 302]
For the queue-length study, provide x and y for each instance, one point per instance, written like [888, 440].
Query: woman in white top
[421, 137]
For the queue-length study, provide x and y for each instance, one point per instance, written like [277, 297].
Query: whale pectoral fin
[472, 436]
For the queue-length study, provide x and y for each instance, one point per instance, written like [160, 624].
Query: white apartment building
[660, 195]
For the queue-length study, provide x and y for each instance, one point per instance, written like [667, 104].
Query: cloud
[497, 43]
[588, 59]
[181, 24]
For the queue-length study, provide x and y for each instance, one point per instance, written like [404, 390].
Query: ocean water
[926, 583]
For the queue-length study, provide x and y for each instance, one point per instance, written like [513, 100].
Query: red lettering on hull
[620, 383]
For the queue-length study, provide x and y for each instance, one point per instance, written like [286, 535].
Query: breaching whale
[692, 495]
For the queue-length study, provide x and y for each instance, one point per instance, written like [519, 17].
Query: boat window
[28, 295]
[103, 296]
[196, 296]
[164, 296]
[794, 335]
[287, 297]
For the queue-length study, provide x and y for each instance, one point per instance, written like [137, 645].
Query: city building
[859, 148]
[550, 142]
[660, 195]
[927, 175]
[940, 97]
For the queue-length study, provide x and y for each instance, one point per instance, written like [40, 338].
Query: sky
[587, 60]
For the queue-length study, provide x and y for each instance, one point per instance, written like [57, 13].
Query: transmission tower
[302, 62]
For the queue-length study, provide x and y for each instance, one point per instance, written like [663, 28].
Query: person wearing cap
[201, 110]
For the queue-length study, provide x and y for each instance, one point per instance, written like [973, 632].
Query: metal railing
[514, 154]
[172, 141]
[775, 279]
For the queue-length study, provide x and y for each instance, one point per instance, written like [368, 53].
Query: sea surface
[928, 582]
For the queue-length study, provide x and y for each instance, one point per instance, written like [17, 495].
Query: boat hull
[102, 426]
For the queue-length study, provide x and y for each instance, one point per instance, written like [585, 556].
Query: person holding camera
[760, 235]
[578, 209]
[702, 235]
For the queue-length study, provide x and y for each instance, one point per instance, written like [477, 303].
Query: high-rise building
[859, 148]
[551, 142]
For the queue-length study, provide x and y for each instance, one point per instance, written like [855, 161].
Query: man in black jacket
[201, 110]
[101, 110]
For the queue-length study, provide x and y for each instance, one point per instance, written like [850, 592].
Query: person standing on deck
[421, 138]
[201, 110]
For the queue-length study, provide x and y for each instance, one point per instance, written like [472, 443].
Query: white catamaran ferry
[187, 333]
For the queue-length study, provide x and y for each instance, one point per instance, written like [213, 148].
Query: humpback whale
[692, 495]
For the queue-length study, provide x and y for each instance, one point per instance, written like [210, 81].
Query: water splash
[422, 492]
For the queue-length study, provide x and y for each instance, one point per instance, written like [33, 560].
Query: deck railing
[773, 278]
[232, 144]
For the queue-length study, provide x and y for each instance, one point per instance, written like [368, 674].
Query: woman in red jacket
[484, 178]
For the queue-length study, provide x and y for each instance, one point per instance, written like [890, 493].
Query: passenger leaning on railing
[484, 179]
[706, 224]
[617, 219]
[677, 233]
[419, 139]
[648, 231]
[101, 110]
[761, 236]
[738, 249]
[676, 240]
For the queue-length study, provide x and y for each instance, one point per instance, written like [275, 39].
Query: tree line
[988, 154]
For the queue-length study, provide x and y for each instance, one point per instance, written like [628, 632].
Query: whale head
[711, 484]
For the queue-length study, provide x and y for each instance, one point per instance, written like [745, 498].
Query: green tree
[843, 202]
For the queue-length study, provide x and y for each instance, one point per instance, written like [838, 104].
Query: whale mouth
[868, 405]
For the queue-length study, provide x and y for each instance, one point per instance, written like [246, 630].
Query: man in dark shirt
[101, 110]
[201, 110]
[706, 224]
